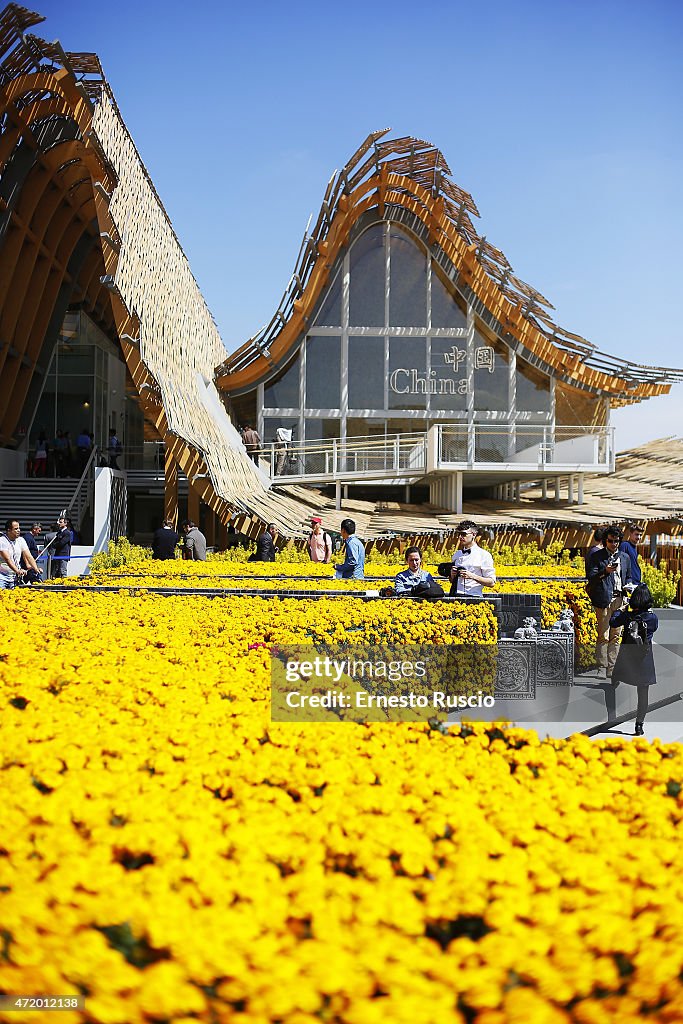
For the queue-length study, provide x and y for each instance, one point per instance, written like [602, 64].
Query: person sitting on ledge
[415, 581]
[165, 541]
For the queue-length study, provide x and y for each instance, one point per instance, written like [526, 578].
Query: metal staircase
[41, 500]
[32, 501]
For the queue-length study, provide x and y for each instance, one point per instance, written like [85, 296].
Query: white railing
[443, 448]
[524, 445]
[402, 455]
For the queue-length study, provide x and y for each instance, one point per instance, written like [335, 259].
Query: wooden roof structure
[408, 180]
[81, 222]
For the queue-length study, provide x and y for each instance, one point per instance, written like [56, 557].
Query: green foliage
[120, 552]
[662, 583]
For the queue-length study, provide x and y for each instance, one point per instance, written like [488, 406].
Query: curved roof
[409, 179]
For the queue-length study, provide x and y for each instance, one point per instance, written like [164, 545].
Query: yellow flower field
[174, 855]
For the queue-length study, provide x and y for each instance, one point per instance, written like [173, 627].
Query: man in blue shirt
[628, 545]
[353, 566]
[412, 577]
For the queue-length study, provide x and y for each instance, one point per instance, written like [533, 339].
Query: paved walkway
[597, 707]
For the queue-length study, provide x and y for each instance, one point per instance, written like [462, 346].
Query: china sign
[407, 381]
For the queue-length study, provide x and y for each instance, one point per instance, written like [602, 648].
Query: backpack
[327, 541]
[637, 632]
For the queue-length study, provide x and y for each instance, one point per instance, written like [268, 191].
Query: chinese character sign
[484, 358]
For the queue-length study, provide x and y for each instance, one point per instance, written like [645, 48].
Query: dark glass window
[330, 311]
[449, 374]
[322, 430]
[445, 310]
[490, 376]
[284, 392]
[408, 383]
[366, 373]
[532, 389]
[323, 372]
[408, 282]
[367, 284]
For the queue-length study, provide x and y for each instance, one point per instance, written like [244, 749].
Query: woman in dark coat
[635, 663]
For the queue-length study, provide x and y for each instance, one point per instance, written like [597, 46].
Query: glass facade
[391, 345]
[85, 388]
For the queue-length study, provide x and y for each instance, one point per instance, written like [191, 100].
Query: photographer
[609, 573]
[14, 550]
[472, 568]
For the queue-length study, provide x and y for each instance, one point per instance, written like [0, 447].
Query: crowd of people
[20, 552]
[64, 456]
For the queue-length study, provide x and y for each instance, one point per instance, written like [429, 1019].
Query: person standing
[319, 542]
[61, 450]
[194, 544]
[281, 447]
[252, 442]
[472, 567]
[609, 572]
[353, 566]
[83, 449]
[13, 551]
[265, 545]
[164, 541]
[40, 456]
[597, 545]
[629, 545]
[69, 459]
[635, 662]
[114, 449]
[30, 538]
[61, 549]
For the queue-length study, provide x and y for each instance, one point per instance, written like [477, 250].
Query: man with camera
[609, 573]
[472, 568]
[14, 550]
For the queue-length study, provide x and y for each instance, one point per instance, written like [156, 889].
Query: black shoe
[640, 731]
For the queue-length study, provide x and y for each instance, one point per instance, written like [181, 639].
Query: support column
[458, 493]
[192, 503]
[570, 489]
[170, 487]
[211, 528]
[580, 488]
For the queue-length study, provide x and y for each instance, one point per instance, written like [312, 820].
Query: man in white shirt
[14, 549]
[472, 568]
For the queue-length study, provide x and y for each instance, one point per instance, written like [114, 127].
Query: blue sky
[562, 119]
